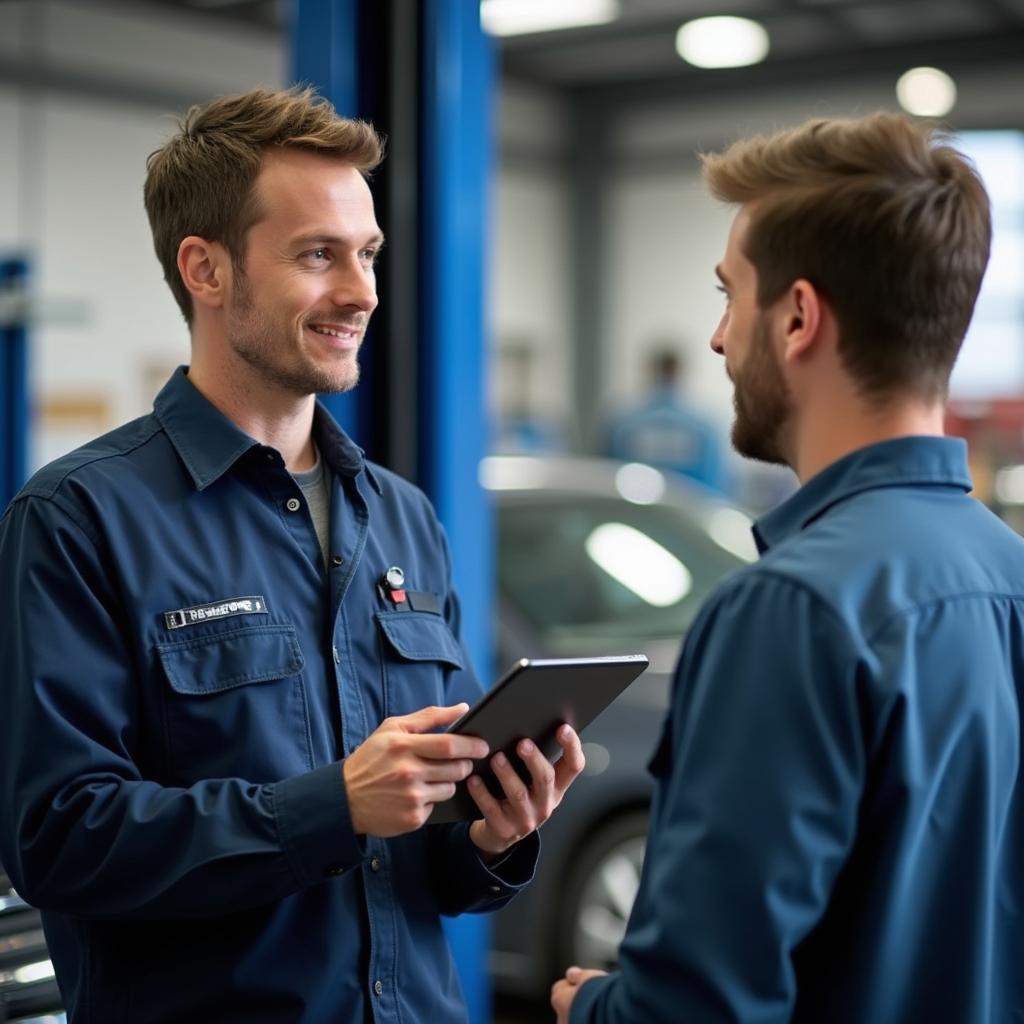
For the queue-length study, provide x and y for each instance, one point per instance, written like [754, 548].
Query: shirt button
[334, 870]
[375, 864]
[378, 987]
[336, 560]
[337, 656]
[293, 504]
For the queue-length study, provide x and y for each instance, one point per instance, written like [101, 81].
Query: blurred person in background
[666, 431]
[231, 639]
[838, 823]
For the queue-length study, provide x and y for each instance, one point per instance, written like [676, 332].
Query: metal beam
[14, 413]
[457, 76]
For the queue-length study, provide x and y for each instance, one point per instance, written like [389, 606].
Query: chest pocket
[418, 650]
[235, 706]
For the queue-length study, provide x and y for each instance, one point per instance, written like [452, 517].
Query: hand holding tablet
[531, 702]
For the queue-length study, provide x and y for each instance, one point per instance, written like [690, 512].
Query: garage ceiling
[634, 57]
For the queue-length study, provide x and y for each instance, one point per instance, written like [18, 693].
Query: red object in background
[994, 431]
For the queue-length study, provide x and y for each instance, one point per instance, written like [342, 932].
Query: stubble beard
[762, 403]
[265, 346]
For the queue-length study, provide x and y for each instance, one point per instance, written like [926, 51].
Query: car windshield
[599, 568]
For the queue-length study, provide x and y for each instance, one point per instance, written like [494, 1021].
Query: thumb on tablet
[428, 719]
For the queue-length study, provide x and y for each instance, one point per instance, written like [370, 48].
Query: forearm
[131, 848]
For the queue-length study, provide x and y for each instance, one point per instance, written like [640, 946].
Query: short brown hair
[886, 219]
[201, 181]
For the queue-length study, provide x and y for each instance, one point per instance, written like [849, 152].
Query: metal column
[422, 73]
[456, 146]
[13, 377]
[324, 54]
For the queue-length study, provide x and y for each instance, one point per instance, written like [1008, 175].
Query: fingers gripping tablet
[532, 700]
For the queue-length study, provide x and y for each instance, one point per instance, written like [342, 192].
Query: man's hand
[394, 778]
[525, 808]
[563, 992]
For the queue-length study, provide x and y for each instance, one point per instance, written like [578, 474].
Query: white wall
[71, 174]
[530, 260]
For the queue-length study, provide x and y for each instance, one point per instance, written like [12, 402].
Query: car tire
[599, 891]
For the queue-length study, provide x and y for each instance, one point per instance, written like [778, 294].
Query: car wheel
[601, 889]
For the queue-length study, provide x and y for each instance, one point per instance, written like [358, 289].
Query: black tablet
[533, 700]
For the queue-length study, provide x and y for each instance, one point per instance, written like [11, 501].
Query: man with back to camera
[836, 832]
[216, 729]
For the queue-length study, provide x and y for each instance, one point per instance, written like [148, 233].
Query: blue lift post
[455, 75]
[457, 70]
[324, 42]
[13, 379]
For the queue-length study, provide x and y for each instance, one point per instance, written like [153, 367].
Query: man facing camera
[231, 640]
[837, 827]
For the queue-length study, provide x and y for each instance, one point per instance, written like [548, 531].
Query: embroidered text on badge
[216, 610]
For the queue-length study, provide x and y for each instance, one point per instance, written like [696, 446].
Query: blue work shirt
[668, 433]
[837, 830]
[182, 676]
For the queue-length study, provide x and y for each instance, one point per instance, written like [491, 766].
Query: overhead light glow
[519, 17]
[926, 92]
[722, 42]
[639, 563]
[1009, 485]
[33, 972]
[640, 484]
[730, 529]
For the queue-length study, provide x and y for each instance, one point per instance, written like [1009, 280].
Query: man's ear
[803, 313]
[205, 269]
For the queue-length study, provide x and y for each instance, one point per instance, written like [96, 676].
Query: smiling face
[301, 303]
[761, 397]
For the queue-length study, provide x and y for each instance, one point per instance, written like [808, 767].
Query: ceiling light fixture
[520, 17]
[722, 42]
[926, 92]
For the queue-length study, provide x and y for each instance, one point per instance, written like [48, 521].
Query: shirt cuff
[314, 824]
[501, 879]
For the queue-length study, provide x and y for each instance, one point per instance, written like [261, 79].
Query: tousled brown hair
[886, 219]
[201, 182]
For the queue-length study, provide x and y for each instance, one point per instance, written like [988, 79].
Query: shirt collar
[904, 461]
[209, 443]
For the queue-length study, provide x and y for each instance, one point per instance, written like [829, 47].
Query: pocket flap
[421, 636]
[210, 664]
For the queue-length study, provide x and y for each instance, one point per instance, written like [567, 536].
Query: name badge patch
[215, 610]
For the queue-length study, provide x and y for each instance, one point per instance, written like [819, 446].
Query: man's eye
[725, 294]
[368, 256]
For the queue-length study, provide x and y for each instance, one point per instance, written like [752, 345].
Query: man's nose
[716, 338]
[355, 285]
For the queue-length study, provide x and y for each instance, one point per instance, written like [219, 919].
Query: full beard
[762, 403]
[257, 339]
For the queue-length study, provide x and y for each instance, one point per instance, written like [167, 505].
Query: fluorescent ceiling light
[519, 17]
[926, 92]
[722, 42]
[639, 563]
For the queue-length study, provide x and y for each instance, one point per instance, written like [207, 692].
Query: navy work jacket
[837, 835]
[181, 677]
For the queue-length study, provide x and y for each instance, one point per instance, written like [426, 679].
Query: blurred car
[28, 992]
[594, 557]
[598, 557]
